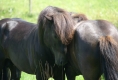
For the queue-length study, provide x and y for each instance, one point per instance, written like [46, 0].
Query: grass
[102, 9]
[94, 9]
[26, 76]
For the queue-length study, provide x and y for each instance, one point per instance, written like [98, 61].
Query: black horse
[8, 70]
[76, 17]
[94, 49]
[70, 70]
[24, 45]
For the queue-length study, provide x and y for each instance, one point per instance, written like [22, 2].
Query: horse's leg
[70, 73]
[58, 73]
[10, 72]
[2, 60]
[100, 78]
[15, 72]
[6, 72]
[0, 75]
[38, 75]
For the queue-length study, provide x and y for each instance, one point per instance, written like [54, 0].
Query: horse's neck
[75, 27]
[43, 49]
[35, 49]
[42, 52]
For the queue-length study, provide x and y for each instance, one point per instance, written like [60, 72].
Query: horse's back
[16, 27]
[4, 20]
[92, 30]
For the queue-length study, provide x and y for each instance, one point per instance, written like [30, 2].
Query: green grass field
[94, 9]
[26, 76]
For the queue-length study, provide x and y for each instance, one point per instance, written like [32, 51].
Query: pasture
[94, 9]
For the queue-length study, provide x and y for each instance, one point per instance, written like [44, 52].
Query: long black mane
[61, 19]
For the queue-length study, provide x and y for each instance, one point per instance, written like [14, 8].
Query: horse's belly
[21, 61]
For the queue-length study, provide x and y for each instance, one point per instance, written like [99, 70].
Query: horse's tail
[109, 59]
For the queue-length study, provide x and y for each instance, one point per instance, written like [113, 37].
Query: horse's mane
[62, 21]
[78, 17]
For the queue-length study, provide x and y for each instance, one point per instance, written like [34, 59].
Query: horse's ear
[83, 17]
[79, 17]
[49, 17]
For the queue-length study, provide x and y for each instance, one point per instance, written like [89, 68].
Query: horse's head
[56, 31]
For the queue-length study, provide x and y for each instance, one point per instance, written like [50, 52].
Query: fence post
[30, 6]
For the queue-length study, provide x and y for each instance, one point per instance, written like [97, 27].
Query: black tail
[109, 59]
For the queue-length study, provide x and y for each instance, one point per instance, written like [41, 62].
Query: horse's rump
[94, 32]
